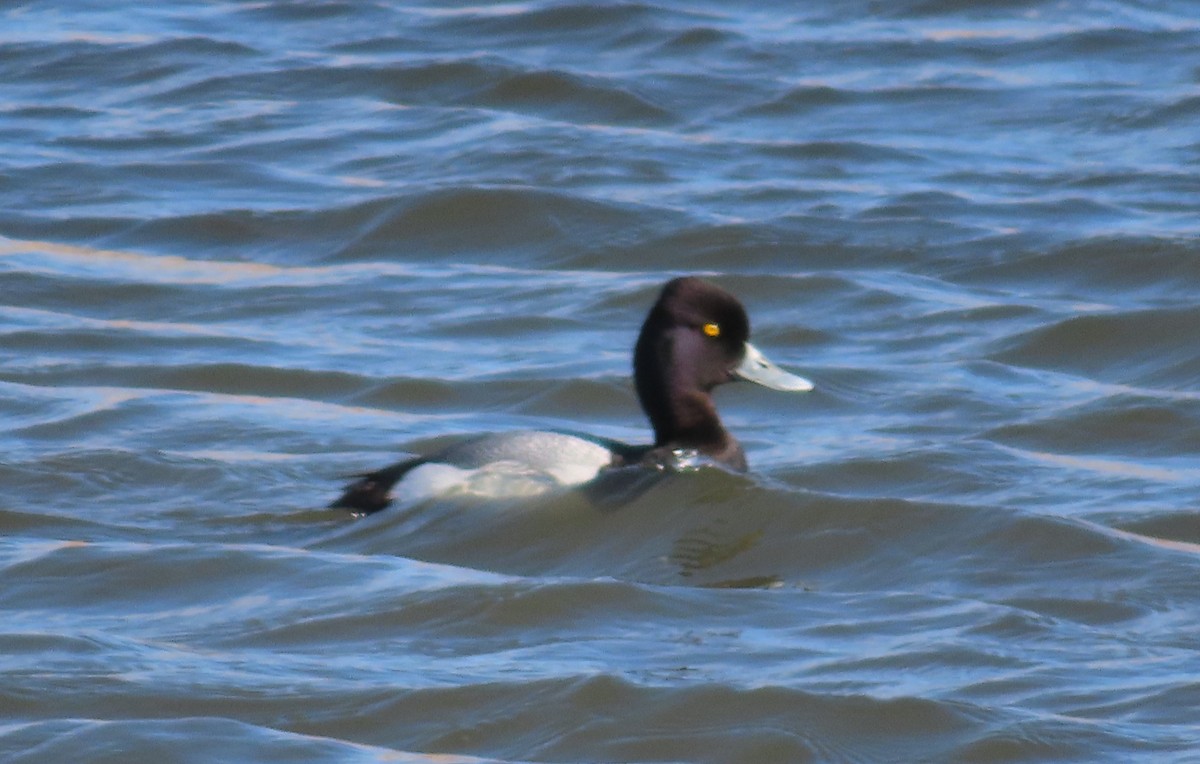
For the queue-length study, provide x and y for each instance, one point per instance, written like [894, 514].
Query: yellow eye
[712, 330]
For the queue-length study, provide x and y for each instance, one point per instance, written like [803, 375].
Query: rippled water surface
[248, 249]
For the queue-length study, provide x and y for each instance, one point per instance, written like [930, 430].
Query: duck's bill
[755, 367]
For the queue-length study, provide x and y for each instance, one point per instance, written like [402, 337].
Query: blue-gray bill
[757, 368]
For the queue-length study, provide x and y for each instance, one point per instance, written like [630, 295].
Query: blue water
[249, 249]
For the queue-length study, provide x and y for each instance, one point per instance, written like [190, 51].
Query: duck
[695, 338]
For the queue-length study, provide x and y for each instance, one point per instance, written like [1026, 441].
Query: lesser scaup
[695, 338]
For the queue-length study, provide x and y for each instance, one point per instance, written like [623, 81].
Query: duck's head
[695, 338]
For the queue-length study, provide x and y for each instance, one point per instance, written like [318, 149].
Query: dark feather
[371, 492]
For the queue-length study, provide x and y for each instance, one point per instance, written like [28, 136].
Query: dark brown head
[697, 337]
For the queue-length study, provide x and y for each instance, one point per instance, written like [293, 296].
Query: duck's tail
[371, 491]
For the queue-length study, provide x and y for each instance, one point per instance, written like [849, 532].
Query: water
[251, 248]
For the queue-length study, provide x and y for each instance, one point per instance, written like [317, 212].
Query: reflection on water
[704, 547]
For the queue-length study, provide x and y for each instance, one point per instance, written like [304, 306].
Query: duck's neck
[690, 421]
[687, 418]
[682, 415]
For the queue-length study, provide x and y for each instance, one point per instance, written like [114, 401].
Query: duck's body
[694, 338]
